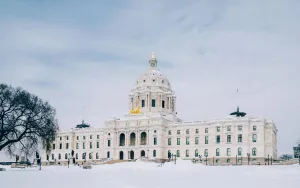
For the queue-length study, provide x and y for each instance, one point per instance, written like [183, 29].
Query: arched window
[196, 153]
[143, 138]
[154, 153]
[59, 156]
[188, 131]
[108, 154]
[217, 152]
[66, 156]
[97, 155]
[254, 152]
[228, 152]
[90, 156]
[187, 153]
[205, 152]
[83, 156]
[122, 139]
[76, 155]
[178, 153]
[239, 151]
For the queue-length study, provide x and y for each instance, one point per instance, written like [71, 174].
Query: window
[196, 153]
[187, 153]
[240, 128]
[91, 145]
[154, 131]
[98, 145]
[108, 154]
[239, 151]
[97, 155]
[77, 145]
[76, 155]
[83, 145]
[205, 152]
[228, 160]
[155, 141]
[153, 102]
[240, 138]
[67, 145]
[188, 131]
[170, 132]
[53, 146]
[178, 131]
[178, 141]
[196, 140]
[218, 129]
[60, 146]
[206, 139]
[91, 137]
[218, 139]
[163, 104]
[217, 152]
[254, 128]
[217, 161]
[254, 152]
[254, 137]
[59, 156]
[169, 141]
[197, 131]
[228, 151]
[90, 156]
[177, 153]
[206, 130]
[108, 143]
[52, 156]
[60, 138]
[77, 137]
[83, 137]
[187, 141]
[98, 136]
[66, 156]
[154, 153]
[228, 128]
[67, 137]
[228, 138]
[143, 103]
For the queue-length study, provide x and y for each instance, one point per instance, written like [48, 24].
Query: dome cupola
[152, 91]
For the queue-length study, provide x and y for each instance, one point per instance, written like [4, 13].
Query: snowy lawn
[144, 175]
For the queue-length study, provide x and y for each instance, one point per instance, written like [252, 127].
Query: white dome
[153, 78]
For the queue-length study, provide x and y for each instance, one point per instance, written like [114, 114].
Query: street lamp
[68, 160]
[200, 158]
[248, 154]
[206, 158]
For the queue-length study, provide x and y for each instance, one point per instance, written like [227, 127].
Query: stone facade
[157, 130]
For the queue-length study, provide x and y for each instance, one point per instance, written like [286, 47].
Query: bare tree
[25, 121]
[286, 157]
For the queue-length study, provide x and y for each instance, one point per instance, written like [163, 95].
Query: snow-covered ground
[144, 175]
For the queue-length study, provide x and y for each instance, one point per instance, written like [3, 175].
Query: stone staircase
[115, 161]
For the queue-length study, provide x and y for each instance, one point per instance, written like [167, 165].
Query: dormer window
[144, 80]
[153, 80]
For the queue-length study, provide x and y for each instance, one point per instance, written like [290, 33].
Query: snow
[140, 174]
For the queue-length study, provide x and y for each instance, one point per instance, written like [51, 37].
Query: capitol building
[152, 130]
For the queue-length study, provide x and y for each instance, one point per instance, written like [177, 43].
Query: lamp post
[236, 160]
[206, 158]
[200, 158]
[68, 160]
[248, 154]
[268, 159]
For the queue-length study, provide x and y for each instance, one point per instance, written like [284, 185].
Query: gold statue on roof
[152, 56]
[135, 111]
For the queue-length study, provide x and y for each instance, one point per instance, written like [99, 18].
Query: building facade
[152, 130]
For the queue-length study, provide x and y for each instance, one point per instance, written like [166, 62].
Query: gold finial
[152, 55]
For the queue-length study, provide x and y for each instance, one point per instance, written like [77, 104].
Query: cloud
[84, 59]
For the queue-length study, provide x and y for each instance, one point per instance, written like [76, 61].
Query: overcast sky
[84, 56]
